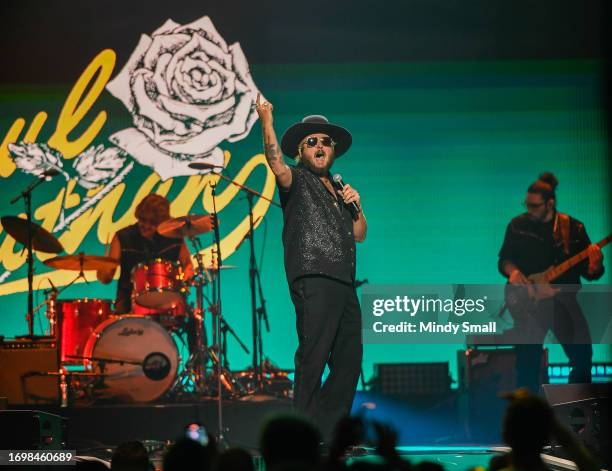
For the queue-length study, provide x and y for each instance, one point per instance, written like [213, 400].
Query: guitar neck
[558, 270]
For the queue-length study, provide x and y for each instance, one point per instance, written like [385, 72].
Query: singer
[323, 219]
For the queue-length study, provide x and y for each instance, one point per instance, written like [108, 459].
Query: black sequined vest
[318, 230]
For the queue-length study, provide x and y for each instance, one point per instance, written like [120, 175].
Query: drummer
[141, 243]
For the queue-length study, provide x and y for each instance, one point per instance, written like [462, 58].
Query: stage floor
[102, 426]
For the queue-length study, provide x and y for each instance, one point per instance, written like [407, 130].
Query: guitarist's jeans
[329, 332]
[564, 317]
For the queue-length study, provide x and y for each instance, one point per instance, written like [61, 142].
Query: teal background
[442, 155]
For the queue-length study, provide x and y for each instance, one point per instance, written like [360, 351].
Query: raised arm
[274, 156]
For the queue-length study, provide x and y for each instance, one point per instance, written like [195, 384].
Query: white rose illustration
[98, 165]
[35, 158]
[187, 91]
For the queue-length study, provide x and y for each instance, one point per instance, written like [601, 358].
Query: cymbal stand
[221, 328]
[195, 367]
[200, 333]
[64, 386]
[27, 197]
[52, 294]
[225, 328]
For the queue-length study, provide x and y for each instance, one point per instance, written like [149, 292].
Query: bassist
[534, 241]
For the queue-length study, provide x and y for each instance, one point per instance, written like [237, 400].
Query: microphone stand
[27, 197]
[217, 324]
[258, 314]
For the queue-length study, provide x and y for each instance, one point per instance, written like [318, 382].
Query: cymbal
[42, 240]
[83, 262]
[186, 226]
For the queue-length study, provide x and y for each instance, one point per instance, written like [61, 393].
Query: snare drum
[149, 354]
[158, 284]
[80, 317]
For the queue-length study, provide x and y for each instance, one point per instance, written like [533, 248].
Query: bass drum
[137, 356]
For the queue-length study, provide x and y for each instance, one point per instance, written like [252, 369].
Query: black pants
[328, 320]
[565, 318]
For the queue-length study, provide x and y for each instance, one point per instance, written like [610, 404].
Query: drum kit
[134, 357]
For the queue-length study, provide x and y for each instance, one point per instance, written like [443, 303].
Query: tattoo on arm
[272, 152]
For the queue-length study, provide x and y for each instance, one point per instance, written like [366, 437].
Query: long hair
[155, 207]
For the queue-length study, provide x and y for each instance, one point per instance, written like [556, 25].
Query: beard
[317, 170]
[542, 218]
[320, 171]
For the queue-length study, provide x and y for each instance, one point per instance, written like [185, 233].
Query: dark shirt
[318, 230]
[533, 247]
[137, 249]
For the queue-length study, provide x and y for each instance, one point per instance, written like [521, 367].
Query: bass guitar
[522, 300]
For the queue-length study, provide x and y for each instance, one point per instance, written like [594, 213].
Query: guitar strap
[563, 229]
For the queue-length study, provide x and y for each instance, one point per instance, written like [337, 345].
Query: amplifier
[585, 410]
[493, 368]
[483, 374]
[23, 364]
[411, 379]
[32, 430]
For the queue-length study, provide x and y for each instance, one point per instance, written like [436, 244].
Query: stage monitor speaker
[585, 410]
[23, 364]
[411, 379]
[483, 374]
[32, 430]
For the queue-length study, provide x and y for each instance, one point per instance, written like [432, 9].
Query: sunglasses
[325, 141]
[533, 205]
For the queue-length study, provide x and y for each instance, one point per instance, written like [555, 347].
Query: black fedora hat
[311, 125]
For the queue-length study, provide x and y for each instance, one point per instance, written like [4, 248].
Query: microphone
[44, 176]
[203, 166]
[352, 206]
[50, 172]
[53, 289]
